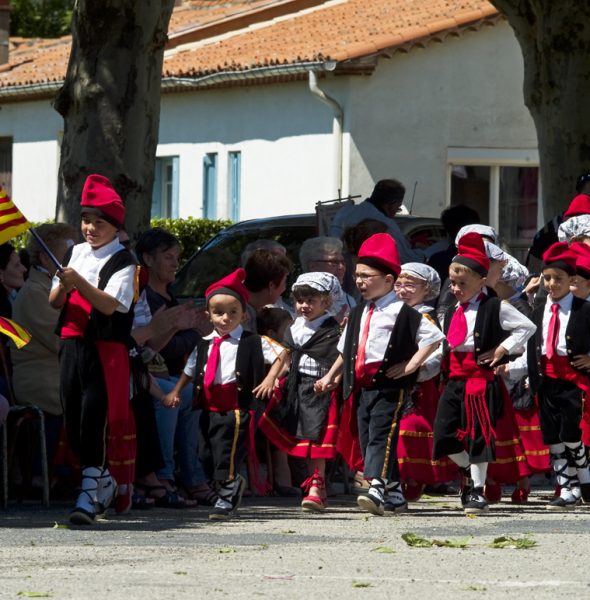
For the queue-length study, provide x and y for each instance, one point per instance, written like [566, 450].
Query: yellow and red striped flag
[19, 335]
[12, 221]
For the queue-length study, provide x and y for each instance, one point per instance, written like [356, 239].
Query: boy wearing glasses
[383, 345]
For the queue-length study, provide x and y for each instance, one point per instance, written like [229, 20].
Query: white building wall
[35, 128]
[465, 92]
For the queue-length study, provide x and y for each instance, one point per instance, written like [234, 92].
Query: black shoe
[560, 503]
[475, 502]
[239, 487]
[81, 516]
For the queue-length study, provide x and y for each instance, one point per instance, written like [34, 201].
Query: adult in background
[383, 204]
[36, 366]
[166, 349]
[325, 254]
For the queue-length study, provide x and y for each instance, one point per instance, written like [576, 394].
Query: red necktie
[553, 332]
[212, 364]
[458, 327]
[359, 363]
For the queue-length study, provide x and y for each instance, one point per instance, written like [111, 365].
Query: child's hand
[581, 361]
[492, 357]
[69, 278]
[402, 369]
[170, 400]
[263, 390]
[326, 384]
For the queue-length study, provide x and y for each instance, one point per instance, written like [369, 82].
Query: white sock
[478, 474]
[461, 459]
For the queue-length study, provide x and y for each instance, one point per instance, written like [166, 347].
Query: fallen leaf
[361, 584]
[383, 550]
[471, 516]
[505, 541]
[34, 594]
[180, 573]
[459, 543]
[416, 541]
[57, 525]
[476, 588]
[288, 531]
[226, 550]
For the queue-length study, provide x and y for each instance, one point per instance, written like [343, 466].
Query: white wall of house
[35, 128]
[465, 92]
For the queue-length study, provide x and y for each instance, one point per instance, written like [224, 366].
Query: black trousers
[85, 402]
[223, 442]
[378, 415]
[451, 418]
[560, 411]
[149, 457]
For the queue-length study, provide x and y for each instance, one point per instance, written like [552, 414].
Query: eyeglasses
[332, 262]
[411, 287]
[364, 277]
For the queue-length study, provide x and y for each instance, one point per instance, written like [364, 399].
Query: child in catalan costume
[95, 291]
[558, 362]
[299, 421]
[417, 285]
[482, 332]
[384, 344]
[228, 368]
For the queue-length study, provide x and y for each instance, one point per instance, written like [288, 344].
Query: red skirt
[414, 447]
[535, 451]
[325, 447]
[511, 463]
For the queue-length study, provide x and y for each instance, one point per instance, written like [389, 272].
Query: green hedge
[192, 233]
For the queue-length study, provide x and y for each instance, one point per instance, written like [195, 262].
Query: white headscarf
[494, 252]
[574, 227]
[323, 282]
[484, 230]
[514, 274]
[428, 274]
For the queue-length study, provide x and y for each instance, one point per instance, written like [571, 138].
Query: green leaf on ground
[458, 543]
[418, 541]
[57, 525]
[383, 550]
[226, 550]
[476, 588]
[180, 573]
[505, 541]
[288, 531]
[34, 594]
[361, 584]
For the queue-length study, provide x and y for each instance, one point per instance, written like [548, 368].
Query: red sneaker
[493, 492]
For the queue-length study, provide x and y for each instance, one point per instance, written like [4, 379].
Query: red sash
[462, 366]
[76, 316]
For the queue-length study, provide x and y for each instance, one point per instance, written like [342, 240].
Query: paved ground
[272, 550]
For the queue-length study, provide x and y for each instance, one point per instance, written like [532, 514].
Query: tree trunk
[555, 40]
[110, 102]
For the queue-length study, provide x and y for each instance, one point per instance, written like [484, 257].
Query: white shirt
[382, 321]
[301, 331]
[511, 319]
[228, 352]
[88, 262]
[565, 310]
[431, 366]
[352, 214]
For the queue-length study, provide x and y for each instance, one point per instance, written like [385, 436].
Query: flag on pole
[12, 221]
[19, 335]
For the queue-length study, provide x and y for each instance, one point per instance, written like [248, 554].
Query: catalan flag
[19, 335]
[12, 221]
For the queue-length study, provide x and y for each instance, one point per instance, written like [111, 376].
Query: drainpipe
[336, 128]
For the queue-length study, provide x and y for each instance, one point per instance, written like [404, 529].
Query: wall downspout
[337, 126]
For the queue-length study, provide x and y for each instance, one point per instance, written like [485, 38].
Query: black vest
[401, 347]
[250, 369]
[577, 338]
[115, 327]
[487, 332]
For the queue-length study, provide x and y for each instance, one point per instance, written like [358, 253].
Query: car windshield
[221, 254]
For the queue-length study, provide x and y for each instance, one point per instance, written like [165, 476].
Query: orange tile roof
[339, 30]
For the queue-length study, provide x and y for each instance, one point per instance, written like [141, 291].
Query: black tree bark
[555, 42]
[110, 102]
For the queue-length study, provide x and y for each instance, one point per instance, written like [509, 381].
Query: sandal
[169, 499]
[202, 494]
[142, 502]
